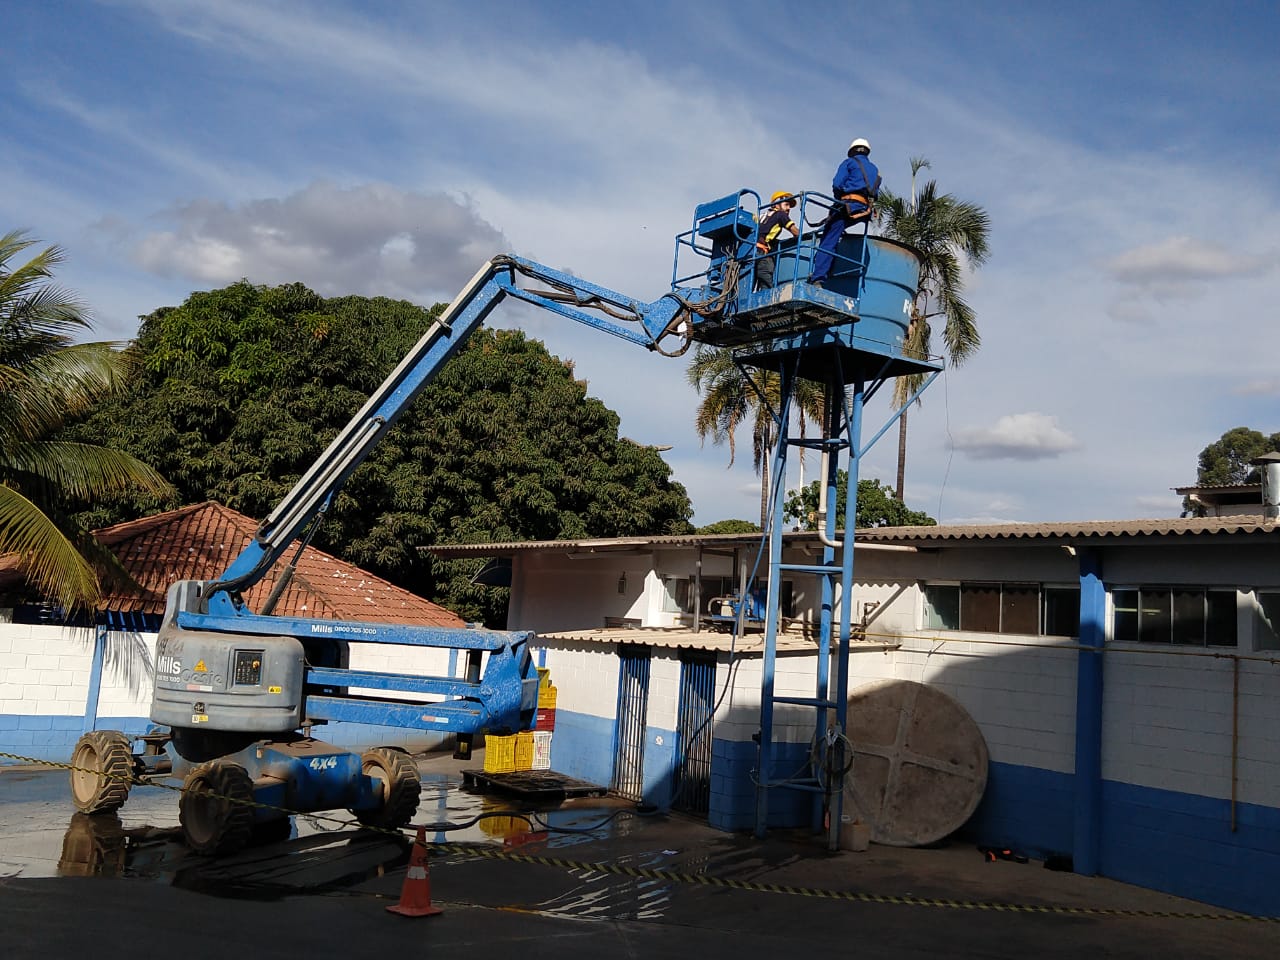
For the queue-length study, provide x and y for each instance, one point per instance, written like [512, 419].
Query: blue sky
[1126, 153]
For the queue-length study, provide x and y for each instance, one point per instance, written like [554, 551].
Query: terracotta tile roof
[199, 542]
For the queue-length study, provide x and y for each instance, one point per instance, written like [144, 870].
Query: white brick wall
[1167, 723]
[126, 696]
[586, 679]
[402, 658]
[44, 670]
[664, 689]
[1022, 696]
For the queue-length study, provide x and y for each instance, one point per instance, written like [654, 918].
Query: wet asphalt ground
[589, 878]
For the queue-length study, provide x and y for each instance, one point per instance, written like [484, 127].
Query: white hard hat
[860, 143]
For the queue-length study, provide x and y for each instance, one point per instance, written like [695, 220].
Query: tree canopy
[877, 506]
[730, 526]
[734, 394]
[1226, 462]
[949, 234]
[243, 387]
[47, 379]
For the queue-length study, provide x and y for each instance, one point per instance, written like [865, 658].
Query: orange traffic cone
[415, 894]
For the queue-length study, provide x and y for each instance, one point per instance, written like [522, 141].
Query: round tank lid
[920, 762]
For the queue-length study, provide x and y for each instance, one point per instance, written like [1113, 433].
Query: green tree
[730, 526]
[948, 233]
[877, 506]
[733, 395]
[46, 379]
[244, 386]
[1226, 462]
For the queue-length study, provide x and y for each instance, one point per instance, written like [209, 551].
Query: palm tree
[46, 379]
[948, 233]
[733, 395]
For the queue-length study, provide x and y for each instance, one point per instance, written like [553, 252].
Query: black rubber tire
[94, 845]
[102, 771]
[214, 810]
[401, 787]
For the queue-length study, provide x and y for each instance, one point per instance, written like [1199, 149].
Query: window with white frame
[676, 595]
[1186, 616]
[1034, 609]
[1266, 620]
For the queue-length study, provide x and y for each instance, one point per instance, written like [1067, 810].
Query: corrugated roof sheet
[1066, 532]
[199, 542]
[751, 642]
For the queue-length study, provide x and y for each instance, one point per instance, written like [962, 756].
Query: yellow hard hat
[781, 195]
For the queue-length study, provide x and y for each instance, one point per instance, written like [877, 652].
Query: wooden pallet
[532, 784]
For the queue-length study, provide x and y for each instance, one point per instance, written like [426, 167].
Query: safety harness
[873, 189]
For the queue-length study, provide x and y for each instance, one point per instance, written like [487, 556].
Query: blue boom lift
[237, 692]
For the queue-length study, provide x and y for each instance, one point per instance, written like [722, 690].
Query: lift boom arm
[576, 299]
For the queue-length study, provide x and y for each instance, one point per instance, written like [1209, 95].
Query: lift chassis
[237, 693]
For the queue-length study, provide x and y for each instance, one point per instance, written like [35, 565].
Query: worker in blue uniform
[855, 187]
[768, 234]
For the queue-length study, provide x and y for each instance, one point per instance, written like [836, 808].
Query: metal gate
[633, 710]
[693, 731]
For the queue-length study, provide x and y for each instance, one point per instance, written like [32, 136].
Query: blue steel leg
[826, 621]
[777, 481]
[100, 632]
[854, 426]
[853, 423]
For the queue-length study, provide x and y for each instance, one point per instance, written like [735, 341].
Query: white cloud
[1259, 388]
[1178, 269]
[373, 239]
[1019, 436]
[1181, 259]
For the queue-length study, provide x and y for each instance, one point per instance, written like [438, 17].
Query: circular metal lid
[920, 762]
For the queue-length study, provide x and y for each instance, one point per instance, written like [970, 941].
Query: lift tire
[215, 810]
[94, 845]
[401, 787]
[102, 771]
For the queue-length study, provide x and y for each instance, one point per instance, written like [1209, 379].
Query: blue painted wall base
[52, 739]
[733, 789]
[1178, 843]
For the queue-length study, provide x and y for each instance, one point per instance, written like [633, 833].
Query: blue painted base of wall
[1178, 843]
[52, 739]
[1183, 844]
[733, 790]
[1026, 809]
[581, 747]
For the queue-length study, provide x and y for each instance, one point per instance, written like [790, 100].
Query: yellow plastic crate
[503, 827]
[544, 678]
[524, 750]
[499, 754]
[547, 697]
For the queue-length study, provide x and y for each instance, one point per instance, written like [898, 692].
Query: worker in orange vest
[855, 187]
